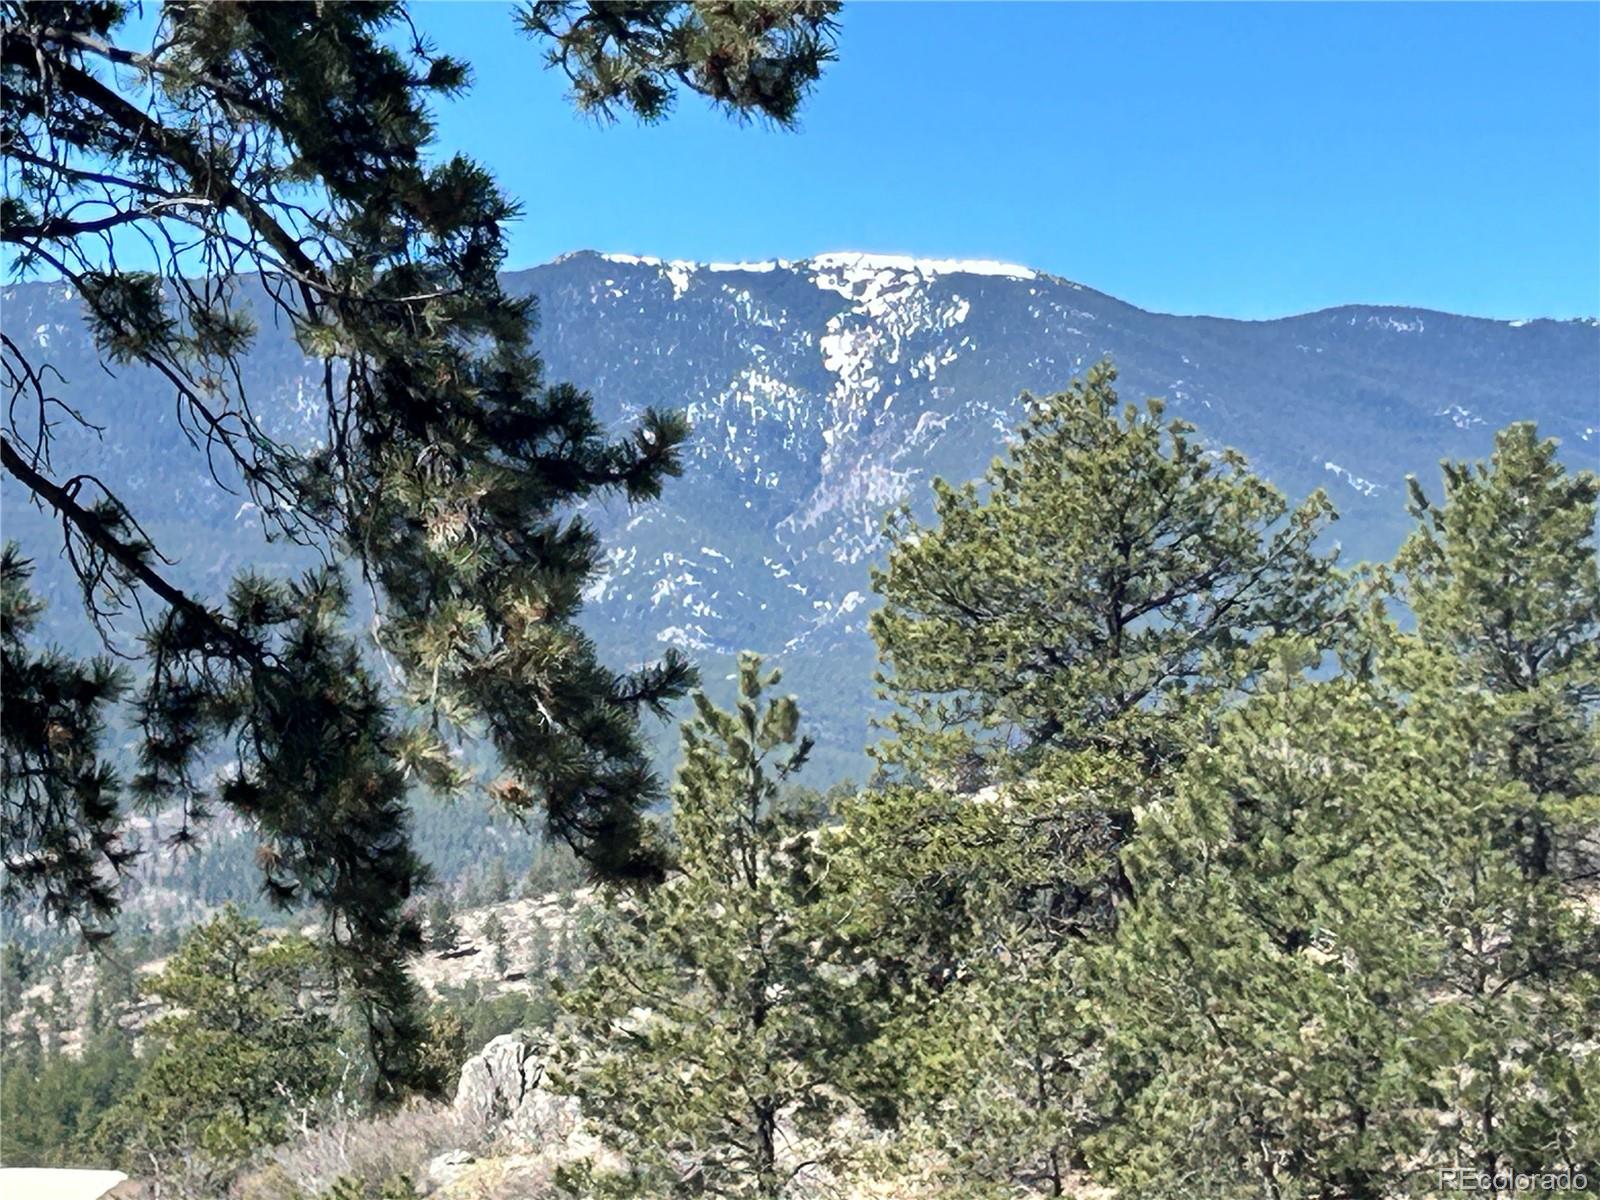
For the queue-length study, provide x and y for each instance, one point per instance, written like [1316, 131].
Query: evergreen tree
[1110, 566]
[541, 957]
[272, 157]
[55, 1016]
[51, 1106]
[1065, 635]
[497, 887]
[16, 975]
[445, 1044]
[97, 1017]
[494, 932]
[1503, 575]
[700, 1022]
[60, 818]
[561, 952]
[756, 57]
[555, 869]
[443, 931]
[30, 1046]
[242, 1040]
[1362, 948]
[118, 981]
[1337, 977]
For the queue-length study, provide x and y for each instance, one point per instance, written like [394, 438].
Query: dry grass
[368, 1149]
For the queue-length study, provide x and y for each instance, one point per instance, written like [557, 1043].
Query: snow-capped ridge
[833, 260]
[849, 260]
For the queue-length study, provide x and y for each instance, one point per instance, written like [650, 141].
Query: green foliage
[698, 1032]
[494, 932]
[482, 1017]
[60, 819]
[1112, 567]
[1057, 644]
[443, 931]
[1312, 925]
[246, 1039]
[348, 1187]
[16, 973]
[497, 887]
[274, 160]
[445, 1045]
[1365, 945]
[51, 1105]
[320, 770]
[1337, 971]
[971, 913]
[1503, 577]
[757, 56]
[554, 869]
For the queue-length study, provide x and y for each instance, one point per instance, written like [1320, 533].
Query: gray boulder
[443, 1169]
[503, 1091]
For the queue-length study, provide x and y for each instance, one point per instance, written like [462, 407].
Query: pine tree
[541, 951]
[60, 819]
[97, 1017]
[1503, 576]
[755, 57]
[554, 870]
[53, 1017]
[30, 1047]
[1056, 644]
[1110, 566]
[273, 159]
[699, 1025]
[494, 932]
[1337, 973]
[443, 931]
[16, 975]
[242, 1040]
[1364, 944]
[52, 1106]
[497, 887]
[445, 1046]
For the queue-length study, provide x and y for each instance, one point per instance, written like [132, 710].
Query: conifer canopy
[270, 162]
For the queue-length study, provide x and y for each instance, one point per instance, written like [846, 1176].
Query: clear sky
[1234, 159]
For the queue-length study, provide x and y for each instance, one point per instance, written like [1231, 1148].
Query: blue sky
[1240, 160]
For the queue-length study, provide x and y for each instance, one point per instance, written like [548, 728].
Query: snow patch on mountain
[1461, 418]
[853, 263]
[1394, 324]
[850, 264]
[1365, 486]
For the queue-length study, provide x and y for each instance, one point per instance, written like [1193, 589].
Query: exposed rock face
[502, 1089]
[492, 1082]
[444, 1169]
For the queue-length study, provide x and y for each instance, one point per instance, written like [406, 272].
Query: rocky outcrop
[503, 1090]
[444, 1169]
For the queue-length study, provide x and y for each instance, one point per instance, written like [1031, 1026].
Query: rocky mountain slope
[542, 937]
[825, 390]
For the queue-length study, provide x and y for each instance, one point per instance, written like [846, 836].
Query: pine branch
[93, 529]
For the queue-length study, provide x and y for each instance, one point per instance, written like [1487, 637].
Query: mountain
[824, 391]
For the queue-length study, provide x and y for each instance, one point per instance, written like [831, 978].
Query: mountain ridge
[825, 391]
[986, 266]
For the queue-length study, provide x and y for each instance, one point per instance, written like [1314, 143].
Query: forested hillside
[822, 395]
[1187, 859]
[853, 727]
